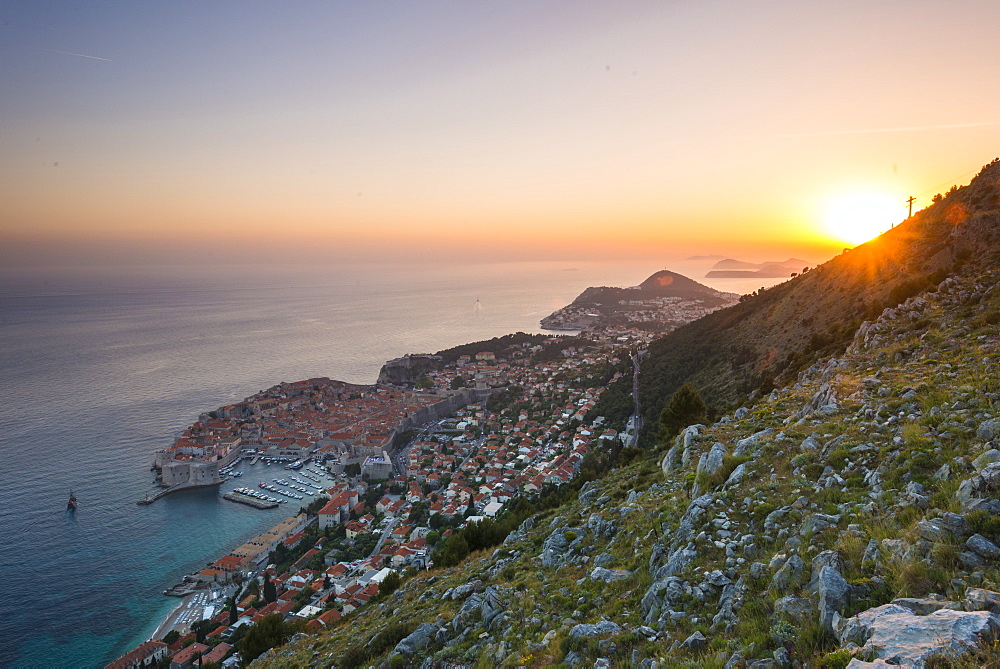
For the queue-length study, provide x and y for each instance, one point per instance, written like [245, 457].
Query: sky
[241, 132]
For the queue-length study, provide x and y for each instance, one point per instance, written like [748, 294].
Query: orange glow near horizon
[542, 130]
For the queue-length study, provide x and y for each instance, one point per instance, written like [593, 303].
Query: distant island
[738, 269]
[661, 303]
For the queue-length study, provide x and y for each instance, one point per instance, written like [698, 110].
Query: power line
[949, 181]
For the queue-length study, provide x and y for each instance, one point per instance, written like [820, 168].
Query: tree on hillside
[389, 584]
[270, 632]
[685, 408]
[270, 594]
[454, 550]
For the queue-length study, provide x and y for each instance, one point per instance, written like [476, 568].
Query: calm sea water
[100, 370]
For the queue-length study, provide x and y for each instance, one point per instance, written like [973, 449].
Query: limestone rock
[676, 563]
[609, 575]
[688, 434]
[923, 606]
[521, 532]
[988, 430]
[556, 548]
[603, 627]
[983, 485]
[985, 459]
[743, 445]
[983, 546]
[730, 601]
[659, 597]
[942, 529]
[417, 640]
[796, 609]
[470, 611]
[830, 559]
[600, 527]
[604, 559]
[834, 593]
[690, 520]
[696, 641]
[895, 633]
[738, 475]
[789, 575]
[669, 461]
[817, 522]
[466, 589]
[492, 607]
[712, 462]
[978, 599]
[810, 444]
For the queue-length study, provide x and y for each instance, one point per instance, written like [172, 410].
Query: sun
[858, 217]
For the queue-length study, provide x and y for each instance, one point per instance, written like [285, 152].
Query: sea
[100, 368]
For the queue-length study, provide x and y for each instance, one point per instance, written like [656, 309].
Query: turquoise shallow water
[100, 370]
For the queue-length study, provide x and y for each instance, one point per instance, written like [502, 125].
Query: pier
[249, 501]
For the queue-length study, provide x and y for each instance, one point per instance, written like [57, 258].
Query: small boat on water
[71, 504]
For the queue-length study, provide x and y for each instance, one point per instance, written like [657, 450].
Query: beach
[190, 610]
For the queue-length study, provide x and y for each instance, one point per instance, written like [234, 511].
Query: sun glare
[858, 217]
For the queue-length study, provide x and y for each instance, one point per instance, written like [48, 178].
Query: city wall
[439, 410]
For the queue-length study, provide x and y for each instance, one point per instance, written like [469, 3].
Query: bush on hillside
[685, 408]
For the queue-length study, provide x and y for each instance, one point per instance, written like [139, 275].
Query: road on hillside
[385, 535]
[635, 421]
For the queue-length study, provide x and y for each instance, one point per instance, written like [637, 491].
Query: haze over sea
[101, 369]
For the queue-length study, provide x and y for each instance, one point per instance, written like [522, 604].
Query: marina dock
[249, 501]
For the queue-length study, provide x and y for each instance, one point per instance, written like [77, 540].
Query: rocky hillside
[769, 337]
[850, 515]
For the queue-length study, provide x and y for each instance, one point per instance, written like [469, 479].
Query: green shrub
[984, 523]
[838, 458]
[838, 659]
[812, 471]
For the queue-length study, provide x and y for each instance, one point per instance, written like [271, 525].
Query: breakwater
[175, 488]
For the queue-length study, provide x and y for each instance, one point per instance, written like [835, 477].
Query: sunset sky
[175, 132]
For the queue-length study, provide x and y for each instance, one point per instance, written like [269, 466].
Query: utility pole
[910, 202]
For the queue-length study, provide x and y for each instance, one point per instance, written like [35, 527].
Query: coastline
[173, 619]
[183, 614]
[154, 545]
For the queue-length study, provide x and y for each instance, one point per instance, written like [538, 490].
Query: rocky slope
[850, 516]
